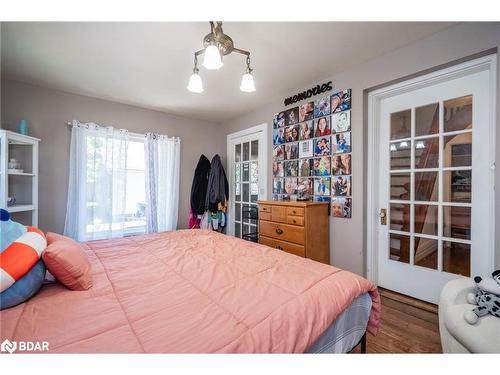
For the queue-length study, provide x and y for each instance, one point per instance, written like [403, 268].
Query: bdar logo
[8, 346]
[24, 346]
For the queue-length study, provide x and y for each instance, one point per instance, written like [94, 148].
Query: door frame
[488, 63]
[263, 163]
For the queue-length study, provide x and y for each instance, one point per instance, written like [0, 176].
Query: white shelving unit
[22, 186]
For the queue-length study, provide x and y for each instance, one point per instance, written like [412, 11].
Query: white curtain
[97, 182]
[162, 159]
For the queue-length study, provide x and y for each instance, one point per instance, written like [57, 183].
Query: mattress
[347, 330]
[190, 291]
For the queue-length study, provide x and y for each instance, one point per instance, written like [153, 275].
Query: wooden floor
[407, 326]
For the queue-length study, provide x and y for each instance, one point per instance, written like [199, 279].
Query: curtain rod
[70, 123]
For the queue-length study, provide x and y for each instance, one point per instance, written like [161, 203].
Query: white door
[247, 166]
[435, 183]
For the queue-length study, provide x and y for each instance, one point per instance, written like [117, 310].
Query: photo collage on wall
[312, 152]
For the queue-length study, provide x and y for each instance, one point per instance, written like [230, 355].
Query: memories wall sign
[312, 149]
[318, 89]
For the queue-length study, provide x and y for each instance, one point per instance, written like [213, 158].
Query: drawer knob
[294, 221]
[279, 231]
[294, 211]
[279, 247]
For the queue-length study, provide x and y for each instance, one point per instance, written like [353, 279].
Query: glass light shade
[247, 84]
[195, 84]
[212, 59]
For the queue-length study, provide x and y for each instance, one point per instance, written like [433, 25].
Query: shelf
[20, 174]
[20, 208]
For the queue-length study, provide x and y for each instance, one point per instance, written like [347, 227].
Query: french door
[247, 166]
[435, 183]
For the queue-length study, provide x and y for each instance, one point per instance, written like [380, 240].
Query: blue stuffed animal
[9, 230]
[487, 298]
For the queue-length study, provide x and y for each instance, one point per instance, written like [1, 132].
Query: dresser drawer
[295, 220]
[278, 214]
[295, 211]
[265, 216]
[282, 245]
[264, 208]
[284, 232]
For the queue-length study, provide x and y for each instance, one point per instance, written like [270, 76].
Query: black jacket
[218, 187]
[199, 187]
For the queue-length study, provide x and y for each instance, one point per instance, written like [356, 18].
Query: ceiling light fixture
[218, 44]
[195, 84]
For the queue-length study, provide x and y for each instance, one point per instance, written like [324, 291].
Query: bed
[198, 291]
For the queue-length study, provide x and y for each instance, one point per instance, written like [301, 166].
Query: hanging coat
[218, 187]
[199, 187]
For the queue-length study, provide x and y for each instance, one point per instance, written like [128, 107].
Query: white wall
[347, 237]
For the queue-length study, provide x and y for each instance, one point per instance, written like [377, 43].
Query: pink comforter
[190, 291]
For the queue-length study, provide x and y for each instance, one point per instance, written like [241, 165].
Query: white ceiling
[148, 64]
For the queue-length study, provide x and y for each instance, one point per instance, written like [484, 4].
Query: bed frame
[362, 344]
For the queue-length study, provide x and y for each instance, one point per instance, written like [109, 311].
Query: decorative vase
[22, 127]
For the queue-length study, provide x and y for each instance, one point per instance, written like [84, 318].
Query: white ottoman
[458, 336]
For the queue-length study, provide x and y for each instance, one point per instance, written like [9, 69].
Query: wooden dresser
[300, 228]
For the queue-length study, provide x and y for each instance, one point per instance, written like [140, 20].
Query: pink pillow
[51, 237]
[67, 261]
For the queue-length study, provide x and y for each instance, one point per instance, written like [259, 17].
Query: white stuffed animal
[487, 298]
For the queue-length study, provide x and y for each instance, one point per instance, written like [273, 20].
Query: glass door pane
[430, 209]
[246, 185]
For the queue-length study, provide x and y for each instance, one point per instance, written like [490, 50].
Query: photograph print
[305, 185]
[306, 148]
[341, 186]
[322, 198]
[278, 169]
[279, 120]
[322, 186]
[306, 167]
[322, 146]
[291, 168]
[341, 143]
[341, 101]
[341, 207]
[292, 116]
[306, 111]
[278, 186]
[292, 133]
[291, 151]
[278, 152]
[341, 164]
[290, 186]
[341, 122]
[322, 166]
[278, 136]
[322, 107]
[322, 126]
[306, 130]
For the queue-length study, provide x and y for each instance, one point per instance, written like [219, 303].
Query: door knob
[383, 216]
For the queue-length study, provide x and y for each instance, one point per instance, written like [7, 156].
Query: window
[128, 210]
[135, 196]
[109, 187]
